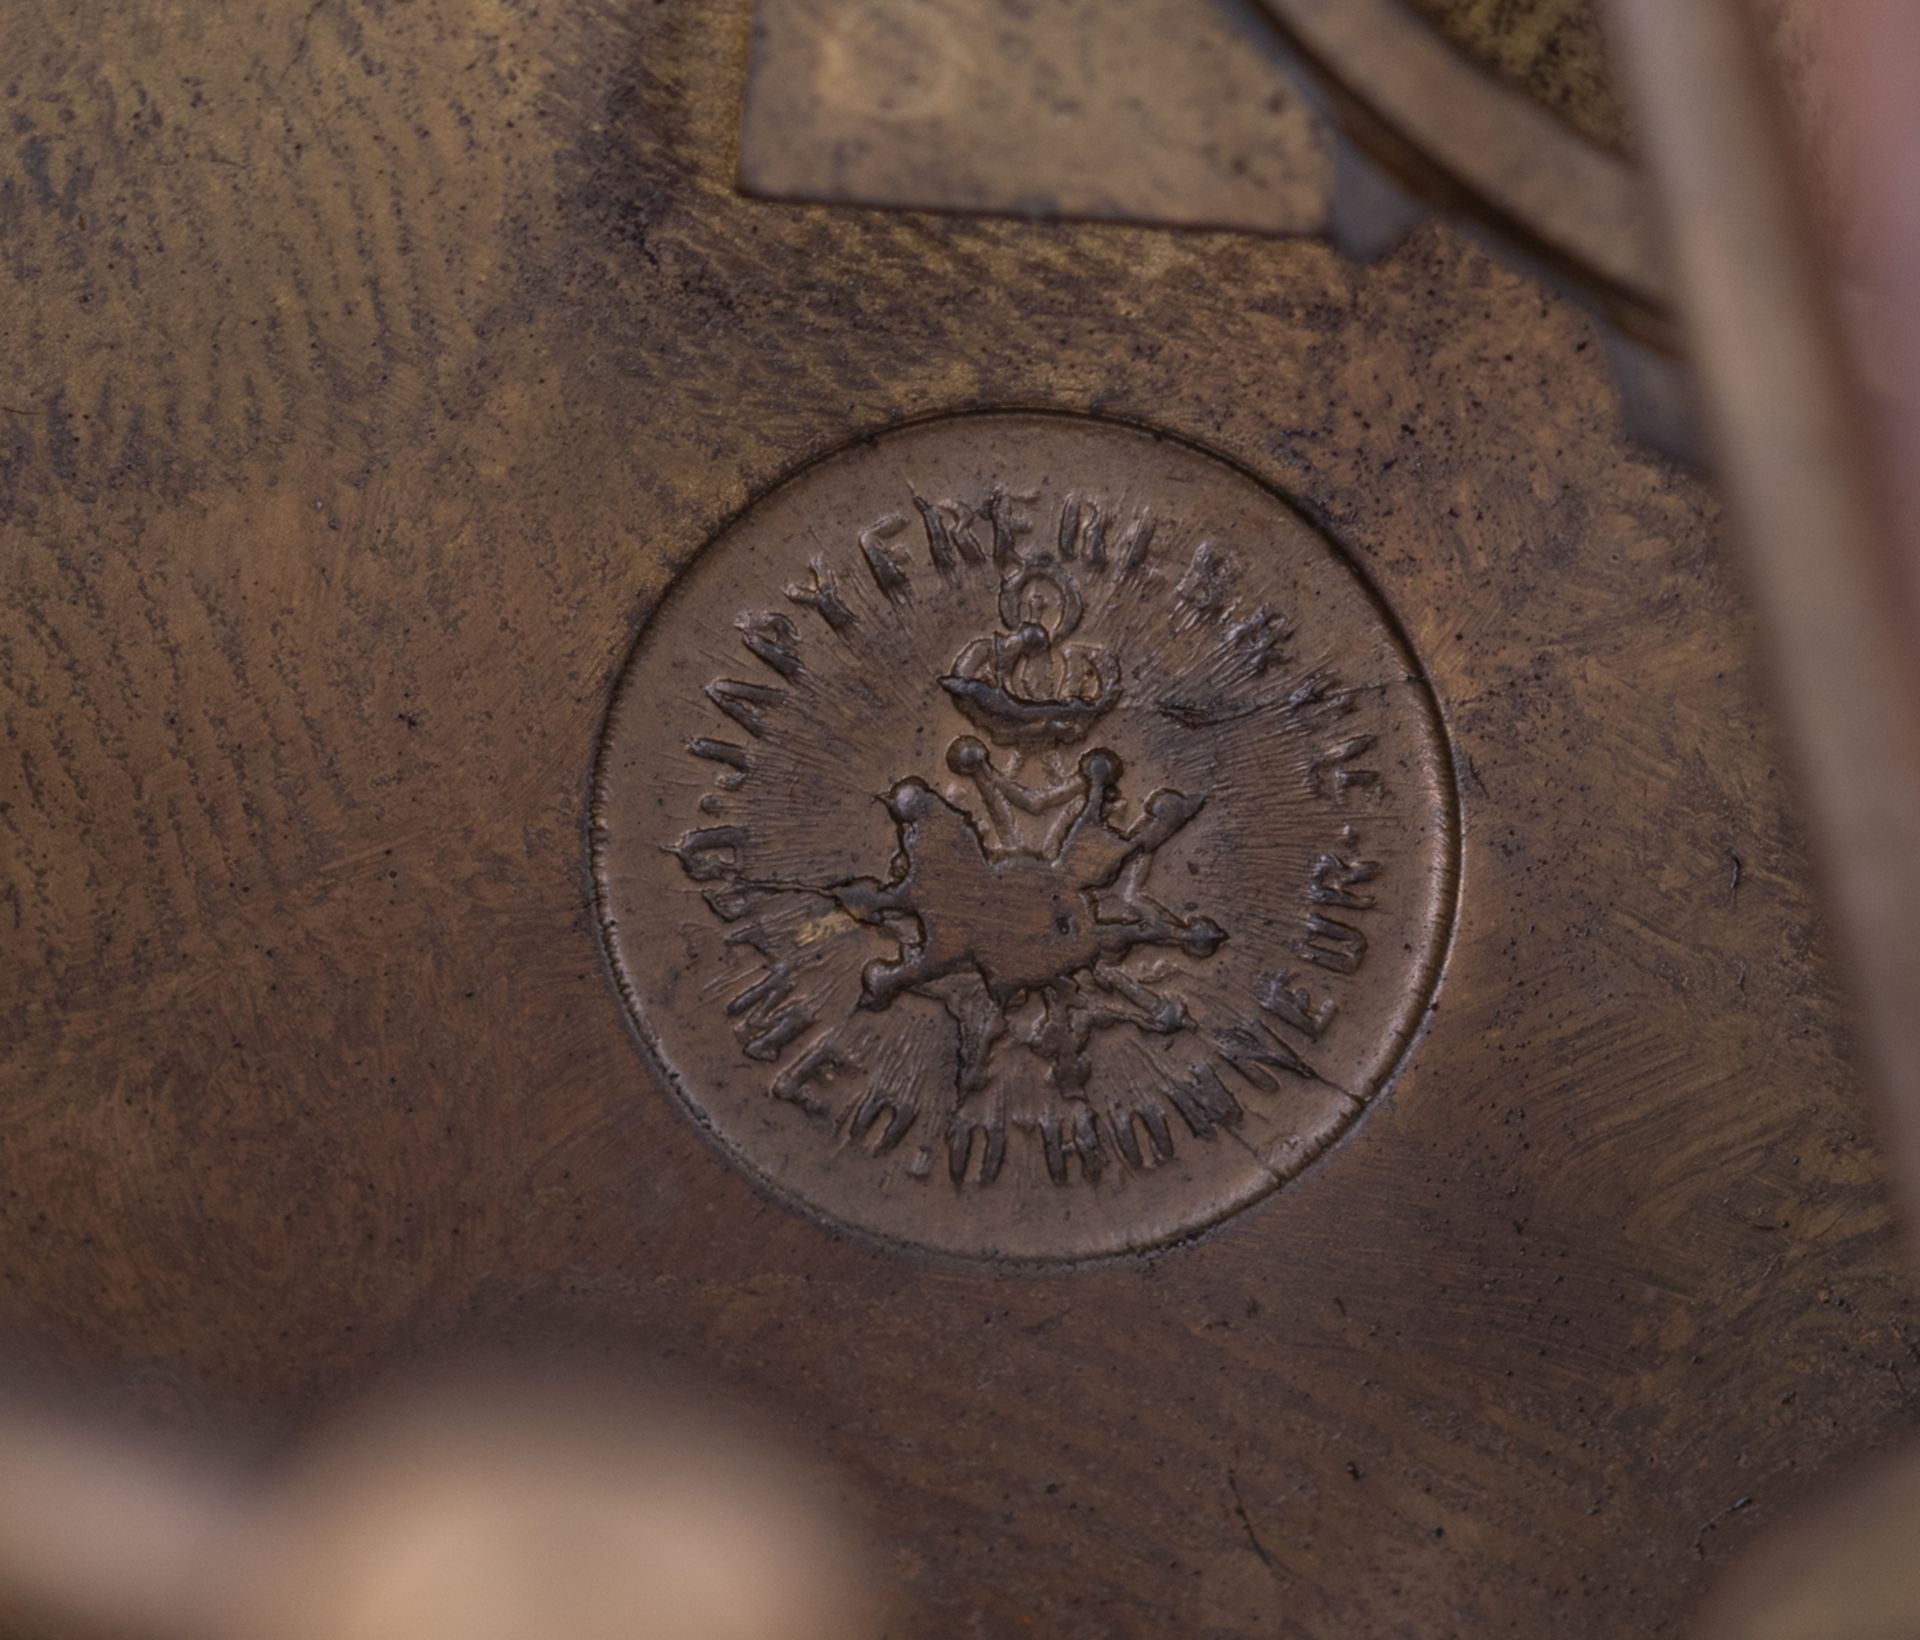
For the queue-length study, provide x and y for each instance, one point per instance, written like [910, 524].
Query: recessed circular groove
[1471, 141]
[1024, 836]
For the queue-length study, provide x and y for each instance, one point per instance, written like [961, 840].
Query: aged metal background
[1228, 121]
[1553, 49]
[369, 370]
[983, 105]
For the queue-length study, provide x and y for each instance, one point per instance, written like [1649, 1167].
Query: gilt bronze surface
[378, 375]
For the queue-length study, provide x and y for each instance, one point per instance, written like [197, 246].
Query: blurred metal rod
[1794, 453]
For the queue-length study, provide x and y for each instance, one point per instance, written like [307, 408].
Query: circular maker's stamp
[1024, 836]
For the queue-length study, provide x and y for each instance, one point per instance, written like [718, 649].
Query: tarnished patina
[378, 375]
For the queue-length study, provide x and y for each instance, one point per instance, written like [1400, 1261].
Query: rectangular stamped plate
[1156, 110]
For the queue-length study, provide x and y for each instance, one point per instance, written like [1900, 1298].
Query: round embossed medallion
[1024, 836]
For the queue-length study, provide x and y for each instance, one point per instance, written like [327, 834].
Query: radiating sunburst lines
[1222, 695]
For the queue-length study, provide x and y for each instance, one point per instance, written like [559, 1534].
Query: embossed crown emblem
[1023, 922]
